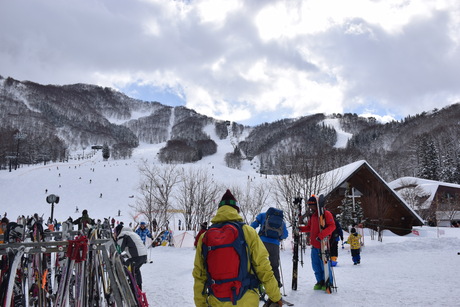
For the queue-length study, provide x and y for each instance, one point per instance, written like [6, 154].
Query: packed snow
[419, 269]
[342, 136]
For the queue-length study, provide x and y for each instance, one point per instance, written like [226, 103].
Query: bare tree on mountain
[306, 175]
[156, 188]
[196, 196]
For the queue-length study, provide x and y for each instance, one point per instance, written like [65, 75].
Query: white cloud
[244, 59]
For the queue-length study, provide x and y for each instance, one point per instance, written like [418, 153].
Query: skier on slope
[131, 246]
[315, 237]
[144, 232]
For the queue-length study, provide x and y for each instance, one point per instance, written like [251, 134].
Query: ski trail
[342, 136]
[171, 123]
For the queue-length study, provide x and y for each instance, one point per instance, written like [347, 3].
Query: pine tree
[449, 168]
[348, 215]
[428, 159]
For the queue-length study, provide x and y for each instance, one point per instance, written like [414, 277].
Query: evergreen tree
[428, 159]
[448, 169]
[348, 215]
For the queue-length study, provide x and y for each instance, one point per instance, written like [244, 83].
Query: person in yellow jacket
[229, 211]
[355, 246]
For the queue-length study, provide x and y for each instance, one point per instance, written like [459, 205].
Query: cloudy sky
[245, 60]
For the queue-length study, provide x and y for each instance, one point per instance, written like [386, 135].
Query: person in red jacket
[204, 227]
[315, 238]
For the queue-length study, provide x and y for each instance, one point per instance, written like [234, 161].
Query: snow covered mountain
[41, 123]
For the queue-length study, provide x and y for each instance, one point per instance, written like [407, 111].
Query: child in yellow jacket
[355, 246]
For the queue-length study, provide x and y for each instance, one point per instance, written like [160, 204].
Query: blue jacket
[144, 233]
[260, 220]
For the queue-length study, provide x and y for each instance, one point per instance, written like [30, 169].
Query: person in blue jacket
[144, 232]
[271, 244]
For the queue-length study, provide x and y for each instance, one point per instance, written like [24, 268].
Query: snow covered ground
[413, 270]
[400, 271]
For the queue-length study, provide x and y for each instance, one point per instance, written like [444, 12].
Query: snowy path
[342, 136]
[400, 271]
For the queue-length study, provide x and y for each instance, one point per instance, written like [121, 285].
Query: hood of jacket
[226, 213]
[124, 231]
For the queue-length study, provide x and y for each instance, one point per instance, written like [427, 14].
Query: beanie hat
[312, 200]
[84, 212]
[142, 223]
[353, 230]
[229, 199]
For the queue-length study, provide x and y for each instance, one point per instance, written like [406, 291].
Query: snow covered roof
[361, 174]
[424, 187]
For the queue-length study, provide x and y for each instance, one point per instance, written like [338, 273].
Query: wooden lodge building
[382, 207]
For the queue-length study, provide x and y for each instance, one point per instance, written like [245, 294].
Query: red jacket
[313, 228]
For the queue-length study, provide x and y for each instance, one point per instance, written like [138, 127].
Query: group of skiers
[229, 244]
[131, 243]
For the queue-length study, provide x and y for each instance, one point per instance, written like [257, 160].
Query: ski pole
[282, 277]
[150, 254]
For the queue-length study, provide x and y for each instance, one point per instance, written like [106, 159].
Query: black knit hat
[230, 200]
[312, 200]
[118, 229]
[353, 230]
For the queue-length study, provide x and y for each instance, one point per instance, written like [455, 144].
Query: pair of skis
[295, 230]
[329, 280]
[325, 251]
[13, 271]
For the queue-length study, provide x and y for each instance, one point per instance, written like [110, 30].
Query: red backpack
[226, 259]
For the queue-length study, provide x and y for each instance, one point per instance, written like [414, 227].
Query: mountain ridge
[48, 122]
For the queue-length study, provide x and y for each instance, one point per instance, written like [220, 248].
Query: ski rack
[118, 284]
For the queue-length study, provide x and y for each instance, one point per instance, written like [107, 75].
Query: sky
[245, 61]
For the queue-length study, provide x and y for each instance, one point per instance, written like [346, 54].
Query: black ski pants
[136, 263]
[274, 257]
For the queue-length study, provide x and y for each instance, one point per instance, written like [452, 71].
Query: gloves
[270, 303]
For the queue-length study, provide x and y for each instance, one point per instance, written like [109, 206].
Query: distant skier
[4, 223]
[355, 246]
[84, 221]
[144, 232]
